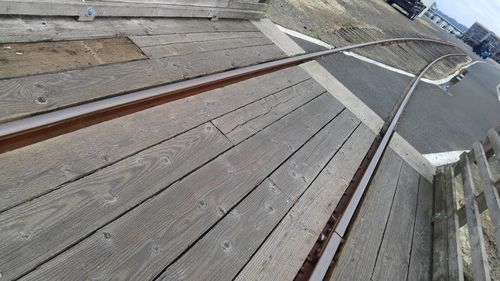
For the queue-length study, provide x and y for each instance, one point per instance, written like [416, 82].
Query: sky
[466, 12]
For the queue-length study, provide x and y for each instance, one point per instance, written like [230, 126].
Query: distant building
[478, 33]
[441, 20]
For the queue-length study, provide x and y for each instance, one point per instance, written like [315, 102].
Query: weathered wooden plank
[283, 253]
[221, 253]
[90, 9]
[455, 263]
[34, 94]
[494, 142]
[23, 59]
[481, 204]
[140, 244]
[421, 253]
[203, 47]
[38, 229]
[480, 267]
[177, 38]
[71, 156]
[32, 29]
[490, 192]
[253, 219]
[440, 229]
[394, 254]
[360, 250]
[244, 122]
[205, 3]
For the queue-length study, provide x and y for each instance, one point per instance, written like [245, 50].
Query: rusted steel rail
[336, 229]
[29, 130]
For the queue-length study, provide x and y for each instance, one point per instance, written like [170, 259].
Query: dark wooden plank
[490, 192]
[440, 229]
[21, 59]
[480, 266]
[481, 204]
[455, 263]
[140, 244]
[284, 252]
[39, 93]
[358, 256]
[32, 29]
[69, 157]
[421, 253]
[248, 225]
[244, 122]
[38, 229]
[394, 255]
[189, 48]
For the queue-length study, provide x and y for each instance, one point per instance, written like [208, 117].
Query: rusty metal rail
[344, 213]
[29, 130]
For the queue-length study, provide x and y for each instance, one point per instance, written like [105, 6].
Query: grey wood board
[244, 122]
[394, 255]
[20, 96]
[32, 29]
[140, 244]
[489, 189]
[34, 170]
[286, 248]
[221, 253]
[248, 225]
[481, 204]
[421, 254]
[480, 266]
[178, 38]
[37, 230]
[455, 263]
[190, 48]
[440, 229]
[116, 9]
[358, 256]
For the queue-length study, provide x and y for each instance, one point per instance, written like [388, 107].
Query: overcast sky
[486, 12]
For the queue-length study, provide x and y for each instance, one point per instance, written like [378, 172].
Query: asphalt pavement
[435, 120]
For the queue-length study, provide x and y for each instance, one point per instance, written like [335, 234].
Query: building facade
[478, 33]
[439, 20]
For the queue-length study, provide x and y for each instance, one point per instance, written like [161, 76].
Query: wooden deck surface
[391, 238]
[233, 184]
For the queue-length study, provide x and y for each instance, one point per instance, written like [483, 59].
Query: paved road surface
[435, 120]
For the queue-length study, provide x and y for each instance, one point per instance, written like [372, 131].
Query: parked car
[412, 7]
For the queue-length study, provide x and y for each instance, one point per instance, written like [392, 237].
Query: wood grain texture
[440, 229]
[253, 219]
[71, 156]
[480, 266]
[358, 256]
[38, 229]
[21, 96]
[21, 59]
[118, 9]
[189, 48]
[421, 254]
[244, 122]
[221, 253]
[285, 250]
[179, 38]
[393, 258]
[140, 244]
[455, 263]
[32, 29]
[489, 189]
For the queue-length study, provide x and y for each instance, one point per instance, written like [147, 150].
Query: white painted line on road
[444, 158]
[304, 37]
[368, 60]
